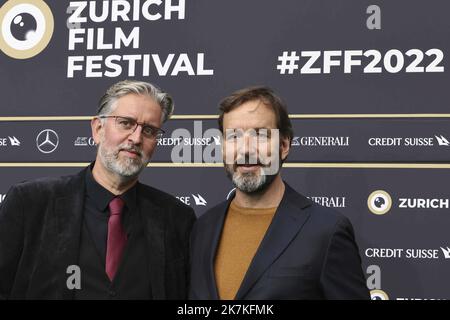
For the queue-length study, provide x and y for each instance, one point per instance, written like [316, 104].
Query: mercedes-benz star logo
[47, 141]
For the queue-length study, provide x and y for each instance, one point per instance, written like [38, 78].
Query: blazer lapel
[154, 228]
[287, 222]
[69, 214]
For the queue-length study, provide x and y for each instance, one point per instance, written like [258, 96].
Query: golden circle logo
[26, 28]
[378, 295]
[379, 202]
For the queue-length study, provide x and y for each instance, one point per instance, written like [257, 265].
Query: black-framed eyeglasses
[129, 125]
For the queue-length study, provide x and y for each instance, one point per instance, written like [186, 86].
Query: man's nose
[250, 144]
[247, 146]
[136, 136]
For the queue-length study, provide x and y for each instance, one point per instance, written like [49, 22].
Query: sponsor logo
[408, 253]
[379, 202]
[420, 203]
[408, 141]
[332, 202]
[47, 141]
[26, 28]
[321, 141]
[13, 141]
[446, 252]
[2, 197]
[197, 141]
[84, 142]
[198, 200]
[442, 141]
[378, 294]
[405, 142]
[169, 141]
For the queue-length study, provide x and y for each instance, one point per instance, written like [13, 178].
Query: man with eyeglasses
[100, 234]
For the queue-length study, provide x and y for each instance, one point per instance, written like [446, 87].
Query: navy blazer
[308, 252]
[40, 228]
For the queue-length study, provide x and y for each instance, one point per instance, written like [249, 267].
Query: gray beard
[128, 169]
[250, 182]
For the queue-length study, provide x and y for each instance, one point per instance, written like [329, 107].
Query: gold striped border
[217, 165]
[211, 116]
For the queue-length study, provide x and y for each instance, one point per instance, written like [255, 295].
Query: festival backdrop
[366, 83]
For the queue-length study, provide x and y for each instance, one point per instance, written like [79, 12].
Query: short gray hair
[122, 88]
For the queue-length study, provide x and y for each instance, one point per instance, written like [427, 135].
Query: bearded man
[268, 241]
[100, 234]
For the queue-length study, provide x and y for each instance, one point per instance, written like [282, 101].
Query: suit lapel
[69, 215]
[287, 222]
[154, 228]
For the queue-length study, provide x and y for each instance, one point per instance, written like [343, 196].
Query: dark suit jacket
[40, 227]
[308, 252]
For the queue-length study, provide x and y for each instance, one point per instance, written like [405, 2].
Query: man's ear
[285, 147]
[96, 126]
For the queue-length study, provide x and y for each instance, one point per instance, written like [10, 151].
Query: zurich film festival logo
[26, 28]
[379, 202]
[378, 294]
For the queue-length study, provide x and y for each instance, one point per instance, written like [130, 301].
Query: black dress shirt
[96, 211]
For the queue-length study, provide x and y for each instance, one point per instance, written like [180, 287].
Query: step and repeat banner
[366, 84]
